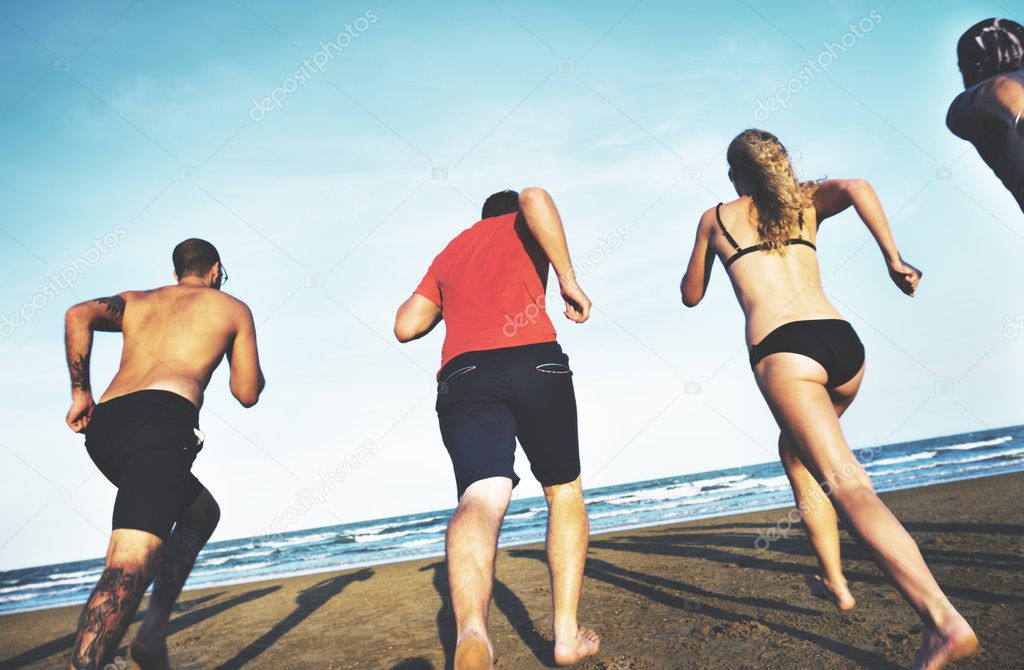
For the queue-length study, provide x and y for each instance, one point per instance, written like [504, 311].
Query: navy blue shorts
[487, 399]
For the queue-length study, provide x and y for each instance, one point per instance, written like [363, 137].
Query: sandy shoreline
[691, 595]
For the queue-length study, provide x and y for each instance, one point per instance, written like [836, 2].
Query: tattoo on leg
[106, 616]
[176, 561]
[177, 558]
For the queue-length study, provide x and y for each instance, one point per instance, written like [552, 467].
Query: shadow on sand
[306, 603]
[507, 602]
[192, 612]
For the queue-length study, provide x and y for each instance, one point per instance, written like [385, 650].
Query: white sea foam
[94, 573]
[420, 543]
[397, 534]
[972, 459]
[527, 514]
[302, 539]
[978, 445]
[234, 568]
[901, 459]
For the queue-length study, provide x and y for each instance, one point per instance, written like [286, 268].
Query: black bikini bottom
[831, 342]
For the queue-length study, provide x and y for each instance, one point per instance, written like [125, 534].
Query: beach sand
[688, 595]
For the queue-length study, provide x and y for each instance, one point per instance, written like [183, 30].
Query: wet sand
[703, 594]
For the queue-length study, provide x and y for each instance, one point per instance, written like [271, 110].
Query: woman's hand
[905, 276]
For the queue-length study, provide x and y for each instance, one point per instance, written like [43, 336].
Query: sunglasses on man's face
[222, 276]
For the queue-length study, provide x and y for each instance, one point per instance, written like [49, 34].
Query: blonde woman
[809, 363]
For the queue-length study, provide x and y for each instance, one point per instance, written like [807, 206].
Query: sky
[330, 151]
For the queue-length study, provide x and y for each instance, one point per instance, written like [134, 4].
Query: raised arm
[416, 317]
[1003, 97]
[247, 380]
[545, 225]
[836, 195]
[702, 259]
[80, 322]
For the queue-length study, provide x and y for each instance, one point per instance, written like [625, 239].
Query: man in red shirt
[503, 376]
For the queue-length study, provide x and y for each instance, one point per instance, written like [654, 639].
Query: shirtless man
[990, 112]
[144, 435]
[503, 376]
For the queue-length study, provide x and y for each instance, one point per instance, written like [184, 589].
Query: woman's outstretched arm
[836, 195]
[702, 259]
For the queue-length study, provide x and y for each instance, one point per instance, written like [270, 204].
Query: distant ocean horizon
[620, 507]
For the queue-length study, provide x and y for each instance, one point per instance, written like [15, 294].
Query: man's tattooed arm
[80, 322]
[114, 306]
[79, 369]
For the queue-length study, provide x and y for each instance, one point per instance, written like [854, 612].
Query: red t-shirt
[489, 283]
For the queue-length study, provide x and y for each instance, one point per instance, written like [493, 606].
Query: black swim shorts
[486, 399]
[145, 443]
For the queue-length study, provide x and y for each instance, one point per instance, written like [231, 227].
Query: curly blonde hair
[758, 159]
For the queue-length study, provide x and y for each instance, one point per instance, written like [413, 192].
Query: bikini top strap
[718, 215]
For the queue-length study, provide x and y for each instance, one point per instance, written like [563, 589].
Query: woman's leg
[795, 391]
[819, 519]
[816, 510]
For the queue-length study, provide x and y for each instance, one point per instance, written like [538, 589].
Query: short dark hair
[502, 202]
[988, 48]
[194, 257]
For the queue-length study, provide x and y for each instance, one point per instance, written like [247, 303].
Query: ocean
[623, 506]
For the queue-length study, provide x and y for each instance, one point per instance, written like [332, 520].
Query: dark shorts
[831, 342]
[486, 399]
[145, 443]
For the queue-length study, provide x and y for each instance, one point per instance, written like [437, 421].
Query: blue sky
[134, 121]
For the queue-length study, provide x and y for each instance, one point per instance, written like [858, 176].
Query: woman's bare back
[773, 288]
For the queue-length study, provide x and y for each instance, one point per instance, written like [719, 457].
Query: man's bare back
[174, 338]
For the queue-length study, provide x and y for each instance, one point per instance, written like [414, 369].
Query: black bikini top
[743, 251]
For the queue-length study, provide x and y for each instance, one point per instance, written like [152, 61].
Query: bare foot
[956, 640]
[839, 594]
[575, 649]
[149, 655]
[473, 653]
